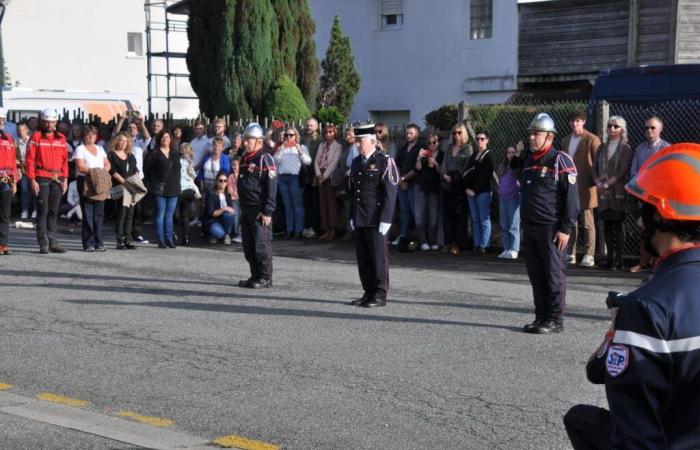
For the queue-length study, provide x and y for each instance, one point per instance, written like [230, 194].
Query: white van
[21, 103]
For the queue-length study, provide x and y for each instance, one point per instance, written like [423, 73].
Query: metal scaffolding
[162, 19]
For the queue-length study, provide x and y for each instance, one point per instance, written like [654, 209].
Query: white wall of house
[428, 61]
[83, 45]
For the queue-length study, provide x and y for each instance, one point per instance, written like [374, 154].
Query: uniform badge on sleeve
[572, 178]
[617, 360]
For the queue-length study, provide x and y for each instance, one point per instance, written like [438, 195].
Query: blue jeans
[165, 209]
[509, 214]
[480, 209]
[293, 199]
[407, 201]
[26, 194]
[223, 225]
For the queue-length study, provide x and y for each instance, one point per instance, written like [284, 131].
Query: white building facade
[92, 45]
[416, 55]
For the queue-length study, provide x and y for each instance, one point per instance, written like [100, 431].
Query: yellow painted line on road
[5, 386]
[233, 441]
[148, 420]
[55, 398]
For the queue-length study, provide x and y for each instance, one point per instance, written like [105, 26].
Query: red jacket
[8, 157]
[47, 156]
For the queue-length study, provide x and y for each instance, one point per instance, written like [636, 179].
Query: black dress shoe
[260, 284]
[373, 303]
[531, 327]
[43, 250]
[161, 244]
[129, 246]
[359, 301]
[56, 249]
[245, 283]
[549, 327]
[170, 244]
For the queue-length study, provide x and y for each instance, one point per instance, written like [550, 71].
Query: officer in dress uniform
[649, 360]
[548, 211]
[373, 183]
[47, 169]
[257, 194]
[9, 176]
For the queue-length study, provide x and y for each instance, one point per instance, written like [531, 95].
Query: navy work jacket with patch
[549, 190]
[257, 182]
[372, 190]
[654, 395]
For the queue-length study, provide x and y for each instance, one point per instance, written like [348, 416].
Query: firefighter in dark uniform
[47, 169]
[373, 183]
[548, 211]
[257, 194]
[650, 358]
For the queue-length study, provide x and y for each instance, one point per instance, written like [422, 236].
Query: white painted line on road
[120, 430]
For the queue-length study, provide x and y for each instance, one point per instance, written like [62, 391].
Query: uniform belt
[54, 173]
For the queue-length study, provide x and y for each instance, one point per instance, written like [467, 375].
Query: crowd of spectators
[448, 188]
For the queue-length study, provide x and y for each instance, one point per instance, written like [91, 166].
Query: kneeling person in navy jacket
[373, 182]
[650, 358]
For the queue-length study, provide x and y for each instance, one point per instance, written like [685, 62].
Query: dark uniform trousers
[257, 243]
[5, 211]
[372, 261]
[546, 269]
[48, 202]
[589, 427]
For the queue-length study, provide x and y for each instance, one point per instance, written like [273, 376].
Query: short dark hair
[577, 114]
[413, 125]
[484, 132]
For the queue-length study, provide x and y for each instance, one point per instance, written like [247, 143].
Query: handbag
[116, 192]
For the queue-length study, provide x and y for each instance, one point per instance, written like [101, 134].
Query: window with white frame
[480, 19]
[134, 44]
[392, 13]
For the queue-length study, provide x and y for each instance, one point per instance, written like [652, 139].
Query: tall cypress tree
[238, 48]
[308, 67]
[210, 55]
[340, 81]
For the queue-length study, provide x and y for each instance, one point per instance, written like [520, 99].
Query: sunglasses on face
[457, 133]
[290, 134]
[646, 128]
[222, 180]
[613, 126]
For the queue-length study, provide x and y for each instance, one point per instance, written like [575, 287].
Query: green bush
[286, 102]
[330, 114]
[442, 118]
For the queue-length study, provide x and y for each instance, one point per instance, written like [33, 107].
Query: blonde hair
[115, 139]
[465, 135]
[296, 133]
[186, 149]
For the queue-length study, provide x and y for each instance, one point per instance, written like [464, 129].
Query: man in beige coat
[582, 146]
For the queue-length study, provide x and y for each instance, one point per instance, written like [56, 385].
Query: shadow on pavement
[260, 310]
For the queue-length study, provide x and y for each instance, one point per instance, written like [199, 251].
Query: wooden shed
[563, 44]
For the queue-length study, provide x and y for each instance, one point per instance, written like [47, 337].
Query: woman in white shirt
[289, 158]
[90, 156]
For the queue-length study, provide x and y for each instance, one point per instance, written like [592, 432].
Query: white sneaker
[587, 261]
[435, 247]
[502, 254]
[227, 240]
[396, 241]
[33, 214]
[195, 222]
[571, 259]
[512, 254]
[425, 247]
[237, 239]
[24, 215]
